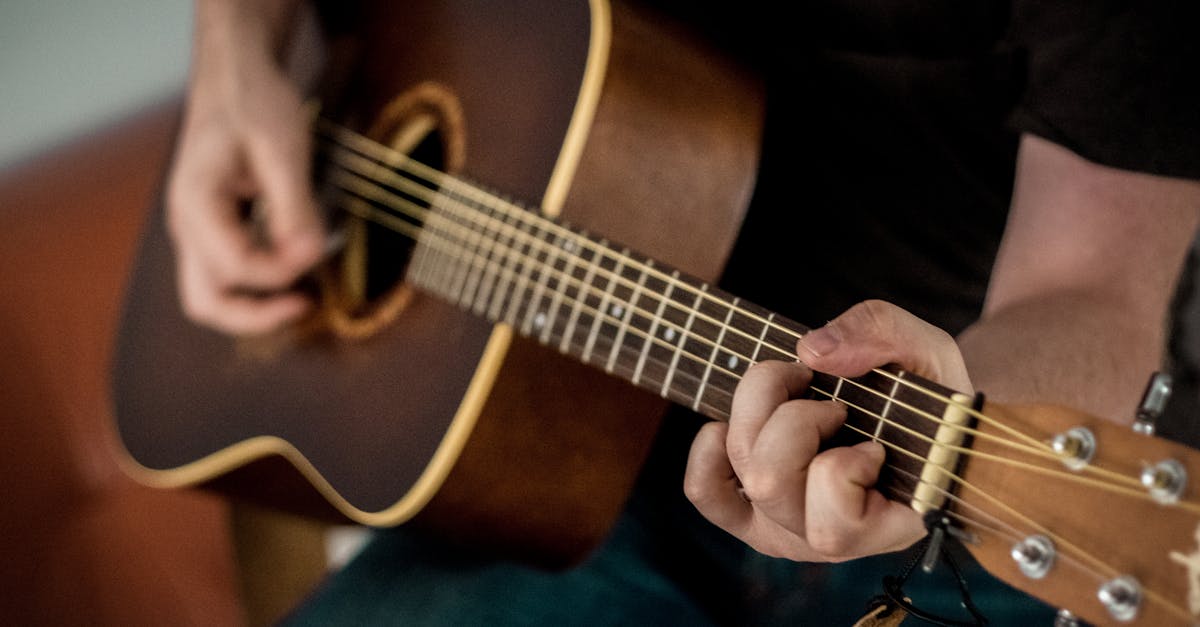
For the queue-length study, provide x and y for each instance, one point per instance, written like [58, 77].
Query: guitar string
[1062, 543]
[1104, 570]
[1034, 468]
[389, 199]
[390, 160]
[907, 383]
[1058, 540]
[411, 230]
[1006, 533]
[636, 309]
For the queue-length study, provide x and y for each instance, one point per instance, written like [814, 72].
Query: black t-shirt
[887, 172]
[893, 126]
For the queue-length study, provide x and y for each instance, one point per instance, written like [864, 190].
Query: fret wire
[715, 354]
[887, 405]
[539, 289]
[474, 276]
[605, 301]
[459, 281]
[586, 282]
[508, 263]
[653, 332]
[568, 271]
[687, 328]
[488, 276]
[444, 224]
[526, 263]
[758, 345]
[628, 315]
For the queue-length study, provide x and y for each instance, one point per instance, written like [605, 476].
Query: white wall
[70, 66]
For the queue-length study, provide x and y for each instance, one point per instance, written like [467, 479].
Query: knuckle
[831, 541]
[764, 485]
[875, 317]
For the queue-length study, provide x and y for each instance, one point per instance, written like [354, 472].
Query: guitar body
[607, 117]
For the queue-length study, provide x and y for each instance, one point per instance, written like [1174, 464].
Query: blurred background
[69, 67]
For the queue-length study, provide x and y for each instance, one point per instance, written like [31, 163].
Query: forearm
[1076, 349]
[1077, 308]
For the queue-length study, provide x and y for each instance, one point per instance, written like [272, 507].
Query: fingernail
[822, 341]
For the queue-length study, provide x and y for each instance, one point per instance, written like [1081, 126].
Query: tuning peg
[1122, 596]
[1165, 480]
[1154, 402]
[1065, 618]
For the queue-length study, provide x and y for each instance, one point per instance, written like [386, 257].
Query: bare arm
[1075, 314]
[1077, 307]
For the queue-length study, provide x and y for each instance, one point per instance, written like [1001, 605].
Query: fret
[561, 284]
[603, 313]
[655, 323]
[508, 259]
[758, 346]
[716, 350]
[458, 283]
[488, 273]
[779, 342]
[883, 415]
[526, 259]
[449, 248]
[581, 297]
[685, 332]
[535, 307]
[427, 245]
[630, 309]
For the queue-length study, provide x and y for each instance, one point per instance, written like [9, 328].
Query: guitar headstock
[1085, 514]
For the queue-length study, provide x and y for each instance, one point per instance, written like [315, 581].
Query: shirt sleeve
[1118, 82]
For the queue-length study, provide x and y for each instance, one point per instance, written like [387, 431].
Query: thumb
[873, 333]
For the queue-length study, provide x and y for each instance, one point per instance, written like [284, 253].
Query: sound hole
[364, 288]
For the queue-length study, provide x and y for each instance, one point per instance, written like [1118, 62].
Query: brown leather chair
[79, 542]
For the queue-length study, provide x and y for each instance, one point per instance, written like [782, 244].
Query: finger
[711, 485]
[206, 302]
[764, 387]
[714, 489]
[874, 333]
[280, 155]
[774, 477]
[846, 516]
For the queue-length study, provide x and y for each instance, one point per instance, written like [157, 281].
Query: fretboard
[619, 311]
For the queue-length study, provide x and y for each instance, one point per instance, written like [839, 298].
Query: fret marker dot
[669, 334]
[539, 320]
[617, 311]
[733, 362]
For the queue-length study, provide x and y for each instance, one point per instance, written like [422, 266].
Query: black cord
[893, 587]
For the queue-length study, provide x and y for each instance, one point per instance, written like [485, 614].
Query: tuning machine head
[1154, 403]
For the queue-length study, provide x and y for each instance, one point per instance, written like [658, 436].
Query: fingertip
[873, 450]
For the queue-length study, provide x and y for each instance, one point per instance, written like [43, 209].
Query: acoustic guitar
[496, 373]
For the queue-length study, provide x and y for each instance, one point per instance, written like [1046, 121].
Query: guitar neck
[651, 325]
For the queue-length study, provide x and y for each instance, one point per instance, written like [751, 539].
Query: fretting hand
[761, 477]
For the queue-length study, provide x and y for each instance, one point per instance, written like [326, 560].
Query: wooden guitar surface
[604, 115]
